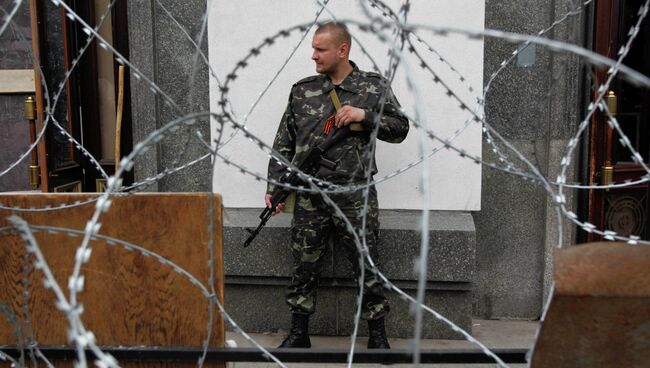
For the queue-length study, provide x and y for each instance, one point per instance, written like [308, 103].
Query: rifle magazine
[290, 203]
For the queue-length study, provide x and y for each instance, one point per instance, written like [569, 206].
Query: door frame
[607, 15]
[82, 95]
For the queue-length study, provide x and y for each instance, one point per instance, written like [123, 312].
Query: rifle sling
[355, 127]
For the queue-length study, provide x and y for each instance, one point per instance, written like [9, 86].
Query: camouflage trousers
[314, 222]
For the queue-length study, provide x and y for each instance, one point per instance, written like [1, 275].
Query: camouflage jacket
[309, 106]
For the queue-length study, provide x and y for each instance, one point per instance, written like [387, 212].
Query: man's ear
[344, 49]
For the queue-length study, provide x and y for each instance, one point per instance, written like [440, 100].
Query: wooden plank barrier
[599, 314]
[129, 299]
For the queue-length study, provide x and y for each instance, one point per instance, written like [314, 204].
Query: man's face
[327, 55]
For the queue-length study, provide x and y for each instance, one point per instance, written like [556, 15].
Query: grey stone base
[256, 276]
[261, 308]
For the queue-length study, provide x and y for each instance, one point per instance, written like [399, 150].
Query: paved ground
[492, 333]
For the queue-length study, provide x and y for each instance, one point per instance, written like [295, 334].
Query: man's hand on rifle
[279, 208]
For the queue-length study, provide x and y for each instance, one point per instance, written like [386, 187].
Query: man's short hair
[339, 32]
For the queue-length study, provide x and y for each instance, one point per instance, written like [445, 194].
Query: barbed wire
[382, 26]
[17, 330]
[209, 294]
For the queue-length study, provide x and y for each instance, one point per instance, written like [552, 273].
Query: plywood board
[129, 299]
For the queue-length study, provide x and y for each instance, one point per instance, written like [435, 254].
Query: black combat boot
[299, 334]
[377, 334]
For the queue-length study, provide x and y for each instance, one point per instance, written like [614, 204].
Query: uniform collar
[350, 83]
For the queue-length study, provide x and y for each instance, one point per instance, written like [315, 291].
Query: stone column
[162, 51]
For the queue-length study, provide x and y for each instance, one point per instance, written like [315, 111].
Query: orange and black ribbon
[329, 124]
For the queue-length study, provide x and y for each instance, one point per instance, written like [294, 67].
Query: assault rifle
[309, 165]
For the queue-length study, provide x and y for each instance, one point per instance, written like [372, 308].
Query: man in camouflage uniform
[309, 115]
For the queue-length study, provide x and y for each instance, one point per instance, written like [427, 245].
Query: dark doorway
[86, 106]
[623, 210]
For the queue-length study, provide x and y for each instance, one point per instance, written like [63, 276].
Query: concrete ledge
[256, 276]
